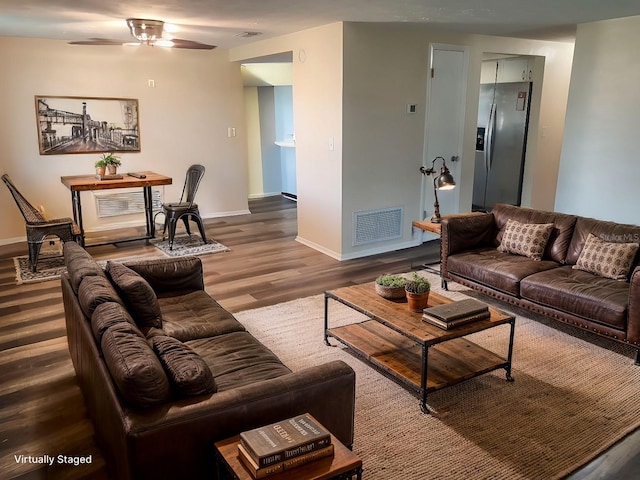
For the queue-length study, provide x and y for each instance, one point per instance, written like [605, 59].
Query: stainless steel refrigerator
[503, 117]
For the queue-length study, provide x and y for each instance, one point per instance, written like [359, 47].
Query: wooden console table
[82, 183]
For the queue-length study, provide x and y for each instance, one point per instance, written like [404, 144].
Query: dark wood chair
[38, 228]
[185, 209]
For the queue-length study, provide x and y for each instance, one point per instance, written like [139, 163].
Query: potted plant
[101, 167]
[112, 162]
[390, 286]
[417, 291]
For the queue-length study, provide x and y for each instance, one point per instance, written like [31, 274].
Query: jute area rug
[571, 399]
[51, 266]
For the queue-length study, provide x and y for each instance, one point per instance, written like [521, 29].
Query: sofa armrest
[186, 429]
[171, 274]
[633, 320]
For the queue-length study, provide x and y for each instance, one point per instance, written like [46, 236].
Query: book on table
[293, 462]
[454, 314]
[282, 441]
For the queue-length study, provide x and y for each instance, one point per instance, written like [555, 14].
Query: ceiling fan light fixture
[146, 31]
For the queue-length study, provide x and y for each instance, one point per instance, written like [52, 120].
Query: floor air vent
[127, 203]
[377, 225]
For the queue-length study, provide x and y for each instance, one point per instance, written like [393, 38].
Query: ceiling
[220, 22]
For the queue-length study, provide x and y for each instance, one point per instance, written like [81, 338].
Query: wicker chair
[185, 209]
[38, 227]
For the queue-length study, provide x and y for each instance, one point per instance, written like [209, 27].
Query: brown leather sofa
[165, 371]
[552, 285]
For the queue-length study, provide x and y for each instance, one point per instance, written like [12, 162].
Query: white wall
[377, 148]
[600, 167]
[386, 67]
[317, 110]
[183, 120]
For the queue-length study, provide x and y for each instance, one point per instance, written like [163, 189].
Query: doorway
[268, 98]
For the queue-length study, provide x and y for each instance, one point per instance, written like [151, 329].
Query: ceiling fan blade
[180, 43]
[96, 41]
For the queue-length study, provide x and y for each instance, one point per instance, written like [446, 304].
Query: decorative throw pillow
[108, 314]
[528, 239]
[94, 290]
[134, 367]
[607, 259]
[187, 370]
[138, 295]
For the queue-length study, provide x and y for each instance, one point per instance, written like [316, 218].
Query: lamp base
[435, 219]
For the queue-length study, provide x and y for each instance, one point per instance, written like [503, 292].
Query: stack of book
[284, 445]
[454, 314]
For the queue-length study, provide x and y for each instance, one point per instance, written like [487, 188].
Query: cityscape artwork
[87, 125]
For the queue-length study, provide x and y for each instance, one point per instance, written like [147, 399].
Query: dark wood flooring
[41, 407]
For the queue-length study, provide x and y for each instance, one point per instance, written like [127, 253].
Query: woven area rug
[571, 399]
[51, 267]
[188, 245]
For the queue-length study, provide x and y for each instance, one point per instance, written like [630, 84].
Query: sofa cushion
[134, 367]
[195, 315]
[560, 238]
[607, 259]
[93, 291]
[108, 314]
[580, 293]
[80, 264]
[187, 371]
[528, 239]
[502, 271]
[138, 295]
[238, 359]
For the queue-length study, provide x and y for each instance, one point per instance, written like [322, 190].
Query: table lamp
[443, 181]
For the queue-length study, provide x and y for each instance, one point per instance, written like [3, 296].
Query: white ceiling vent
[372, 226]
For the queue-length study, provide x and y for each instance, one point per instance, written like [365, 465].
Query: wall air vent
[127, 203]
[380, 225]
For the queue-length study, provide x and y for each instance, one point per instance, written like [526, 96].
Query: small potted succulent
[417, 290]
[101, 167]
[111, 161]
[390, 286]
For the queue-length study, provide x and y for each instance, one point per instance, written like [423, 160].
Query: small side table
[343, 465]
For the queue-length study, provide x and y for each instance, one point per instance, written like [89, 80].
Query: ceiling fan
[147, 32]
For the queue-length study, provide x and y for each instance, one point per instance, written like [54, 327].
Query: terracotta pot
[417, 301]
[101, 170]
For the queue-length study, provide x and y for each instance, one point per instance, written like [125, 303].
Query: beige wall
[385, 68]
[317, 109]
[600, 167]
[183, 120]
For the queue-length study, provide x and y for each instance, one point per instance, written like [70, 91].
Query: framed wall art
[87, 125]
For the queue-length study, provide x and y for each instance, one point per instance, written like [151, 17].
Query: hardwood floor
[41, 408]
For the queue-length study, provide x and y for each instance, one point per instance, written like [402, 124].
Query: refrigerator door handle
[491, 125]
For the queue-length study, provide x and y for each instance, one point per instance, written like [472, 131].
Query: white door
[446, 94]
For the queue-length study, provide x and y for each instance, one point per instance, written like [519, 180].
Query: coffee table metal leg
[423, 379]
[510, 354]
[326, 319]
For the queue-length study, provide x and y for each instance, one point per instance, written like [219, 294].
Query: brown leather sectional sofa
[551, 286]
[166, 371]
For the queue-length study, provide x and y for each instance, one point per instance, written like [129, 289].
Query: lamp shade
[445, 180]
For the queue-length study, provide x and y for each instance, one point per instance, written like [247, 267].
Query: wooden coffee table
[420, 356]
[344, 464]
